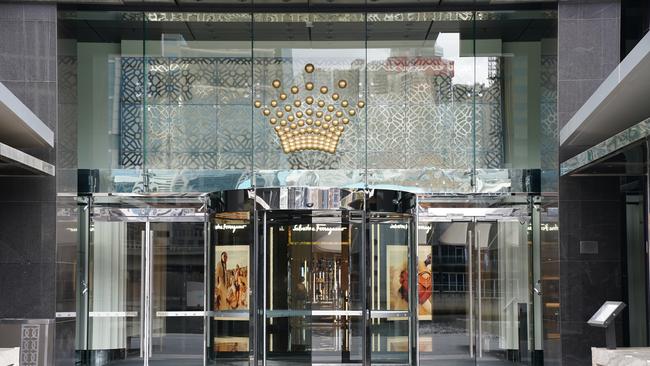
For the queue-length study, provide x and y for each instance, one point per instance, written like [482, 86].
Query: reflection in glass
[177, 286]
[312, 311]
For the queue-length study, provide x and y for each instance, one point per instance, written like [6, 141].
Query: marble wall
[588, 50]
[591, 209]
[28, 215]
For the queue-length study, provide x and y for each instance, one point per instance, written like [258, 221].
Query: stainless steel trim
[240, 314]
[171, 314]
[292, 313]
[470, 250]
[143, 245]
[65, 314]
[113, 314]
[264, 285]
[149, 311]
[389, 314]
[206, 283]
[479, 335]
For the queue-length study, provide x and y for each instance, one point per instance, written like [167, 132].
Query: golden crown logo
[316, 122]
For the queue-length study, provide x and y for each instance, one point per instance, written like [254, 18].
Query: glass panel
[390, 283]
[197, 125]
[420, 95]
[504, 294]
[101, 86]
[177, 288]
[445, 317]
[230, 257]
[309, 92]
[313, 312]
[515, 92]
[115, 284]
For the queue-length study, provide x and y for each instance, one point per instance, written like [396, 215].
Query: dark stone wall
[588, 51]
[591, 209]
[28, 205]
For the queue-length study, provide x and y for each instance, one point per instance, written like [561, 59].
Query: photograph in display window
[398, 286]
[231, 277]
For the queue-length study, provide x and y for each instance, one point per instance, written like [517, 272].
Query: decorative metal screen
[198, 114]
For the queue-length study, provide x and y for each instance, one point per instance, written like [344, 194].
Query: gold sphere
[309, 130]
[309, 111]
[273, 120]
[328, 118]
[309, 86]
[309, 68]
[290, 118]
[339, 114]
[301, 123]
[346, 120]
[309, 121]
[343, 84]
[277, 128]
[321, 103]
[297, 103]
[361, 104]
[341, 128]
[323, 89]
[317, 123]
[258, 104]
[326, 125]
[335, 96]
[319, 114]
[274, 103]
[330, 108]
[352, 112]
[299, 114]
[266, 112]
[294, 89]
[283, 96]
[344, 103]
[335, 123]
[293, 126]
[287, 108]
[279, 114]
[283, 123]
[309, 100]
[276, 83]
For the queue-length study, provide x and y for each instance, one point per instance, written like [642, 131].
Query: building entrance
[308, 276]
[141, 289]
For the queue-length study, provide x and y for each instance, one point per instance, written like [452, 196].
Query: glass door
[177, 295]
[311, 267]
[112, 289]
[504, 291]
[475, 292]
[143, 288]
[392, 293]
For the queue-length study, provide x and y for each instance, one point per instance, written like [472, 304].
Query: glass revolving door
[311, 276]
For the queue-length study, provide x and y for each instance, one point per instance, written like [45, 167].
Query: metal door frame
[147, 215]
[474, 216]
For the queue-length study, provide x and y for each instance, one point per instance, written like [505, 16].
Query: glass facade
[458, 109]
[441, 102]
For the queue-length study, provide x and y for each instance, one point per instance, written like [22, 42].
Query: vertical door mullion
[479, 292]
[143, 264]
[366, 288]
[147, 290]
[206, 290]
[264, 286]
[470, 275]
[413, 290]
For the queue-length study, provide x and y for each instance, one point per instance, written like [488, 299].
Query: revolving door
[311, 276]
